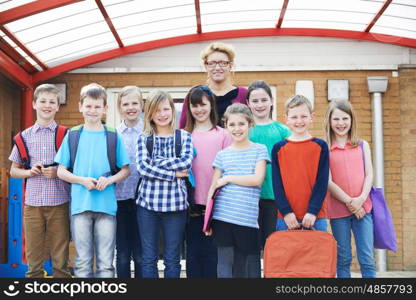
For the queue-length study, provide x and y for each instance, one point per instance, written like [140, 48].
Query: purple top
[241, 98]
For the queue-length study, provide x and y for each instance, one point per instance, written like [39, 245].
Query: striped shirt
[239, 204]
[160, 190]
[41, 191]
[126, 189]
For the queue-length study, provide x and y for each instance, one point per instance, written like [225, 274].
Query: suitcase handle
[304, 228]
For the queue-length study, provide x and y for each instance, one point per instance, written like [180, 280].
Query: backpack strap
[149, 144]
[73, 141]
[60, 133]
[178, 142]
[20, 143]
[362, 151]
[111, 136]
[111, 141]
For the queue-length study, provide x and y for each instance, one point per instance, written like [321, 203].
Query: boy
[45, 214]
[300, 169]
[93, 199]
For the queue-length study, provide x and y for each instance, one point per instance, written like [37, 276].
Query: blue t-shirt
[92, 161]
[239, 204]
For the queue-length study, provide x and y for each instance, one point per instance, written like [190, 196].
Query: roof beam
[31, 8]
[14, 71]
[228, 34]
[198, 16]
[378, 15]
[16, 56]
[109, 23]
[282, 14]
[23, 47]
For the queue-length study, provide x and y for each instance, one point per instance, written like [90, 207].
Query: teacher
[218, 59]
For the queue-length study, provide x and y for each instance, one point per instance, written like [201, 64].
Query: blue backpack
[111, 136]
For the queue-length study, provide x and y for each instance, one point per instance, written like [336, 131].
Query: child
[349, 206]
[45, 214]
[208, 139]
[239, 169]
[162, 199]
[93, 198]
[128, 245]
[267, 132]
[300, 170]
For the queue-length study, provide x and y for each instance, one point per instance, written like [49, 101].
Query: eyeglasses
[213, 63]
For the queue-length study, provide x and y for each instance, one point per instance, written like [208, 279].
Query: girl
[128, 245]
[162, 199]
[218, 59]
[267, 132]
[208, 139]
[351, 176]
[239, 169]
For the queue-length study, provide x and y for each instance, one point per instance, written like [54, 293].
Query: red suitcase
[300, 254]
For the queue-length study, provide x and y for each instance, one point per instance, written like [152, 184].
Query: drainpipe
[26, 108]
[377, 85]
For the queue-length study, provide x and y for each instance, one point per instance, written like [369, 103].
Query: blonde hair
[345, 107]
[46, 87]
[130, 90]
[238, 108]
[218, 47]
[153, 101]
[94, 91]
[296, 101]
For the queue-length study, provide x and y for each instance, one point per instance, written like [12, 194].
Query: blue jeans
[173, 228]
[320, 224]
[364, 241]
[201, 253]
[128, 242]
[94, 235]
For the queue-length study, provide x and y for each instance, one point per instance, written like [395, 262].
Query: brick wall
[9, 117]
[407, 92]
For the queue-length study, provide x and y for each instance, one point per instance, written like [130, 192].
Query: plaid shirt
[126, 189]
[160, 190]
[41, 191]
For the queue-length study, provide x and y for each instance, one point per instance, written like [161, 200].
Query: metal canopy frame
[21, 57]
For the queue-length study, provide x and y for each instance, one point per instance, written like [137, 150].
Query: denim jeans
[364, 241]
[128, 242]
[173, 228]
[320, 224]
[201, 253]
[94, 235]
